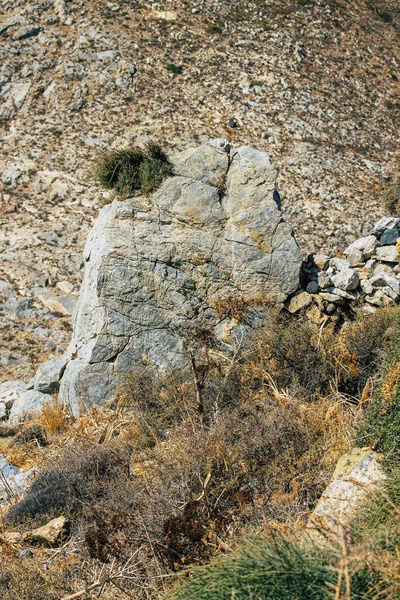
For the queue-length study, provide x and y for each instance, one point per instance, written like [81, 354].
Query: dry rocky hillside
[313, 83]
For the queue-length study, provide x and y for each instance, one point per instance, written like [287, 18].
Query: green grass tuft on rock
[130, 170]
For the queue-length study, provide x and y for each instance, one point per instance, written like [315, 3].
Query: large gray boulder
[157, 265]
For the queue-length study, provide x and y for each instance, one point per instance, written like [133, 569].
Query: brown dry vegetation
[152, 481]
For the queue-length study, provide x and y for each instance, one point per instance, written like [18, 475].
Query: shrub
[391, 198]
[292, 567]
[381, 425]
[289, 351]
[377, 7]
[359, 350]
[212, 29]
[175, 69]
[133, 169]
[77, 479]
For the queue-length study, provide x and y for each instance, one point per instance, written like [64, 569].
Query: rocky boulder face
[155, 266]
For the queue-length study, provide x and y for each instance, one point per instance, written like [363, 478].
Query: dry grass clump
[54, 418]
[129, 170]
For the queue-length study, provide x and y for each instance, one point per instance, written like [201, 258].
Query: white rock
[381, 280]
[386, 223]
[339, 264]
[388, 254]
[28, 406]
[346, 279]
[366, 245]
[351, 487]
[10, 391]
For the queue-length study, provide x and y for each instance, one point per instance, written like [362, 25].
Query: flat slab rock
[155, 265]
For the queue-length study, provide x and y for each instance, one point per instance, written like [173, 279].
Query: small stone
[388, 254]
[378, 299]
[388, 291]
[383, 268]
[339, 264]
[48, 376]
[367, 308]
[321, 261]
[50, 534]
[346, 280]
[332, 298]
[389, 237]
[330, 308]
[25, 553]
[312, 287]
[65, 287]
[26, 32]
[300, 301]
[384, 224]
[348, 295]
[369, 265]
[355, 257]
[366, 286]
[10, 391]
[10, 177]
[63, 305]
[324, 281]
[381, 280]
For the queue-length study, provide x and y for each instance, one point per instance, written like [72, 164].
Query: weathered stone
[366, 245]
[383, 279]
[26, 32]
[348, 295]
[379, 298]
[10, 177]
[370, 264]
[16, 480]
[65, 287]
[48, 376]
[64, 305]
[324, 280]
[388, 254]
[49, 535]
[388, 291]
[299, 302]
[157, 265]
[366, 286]
[355, 257]
[321, 261]
[383, 268]
[28, 406]
[10, 391]
[389, 237]
[346, 280]
[339, 264]
[355, 478]
[384, 224]
[330, 297]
